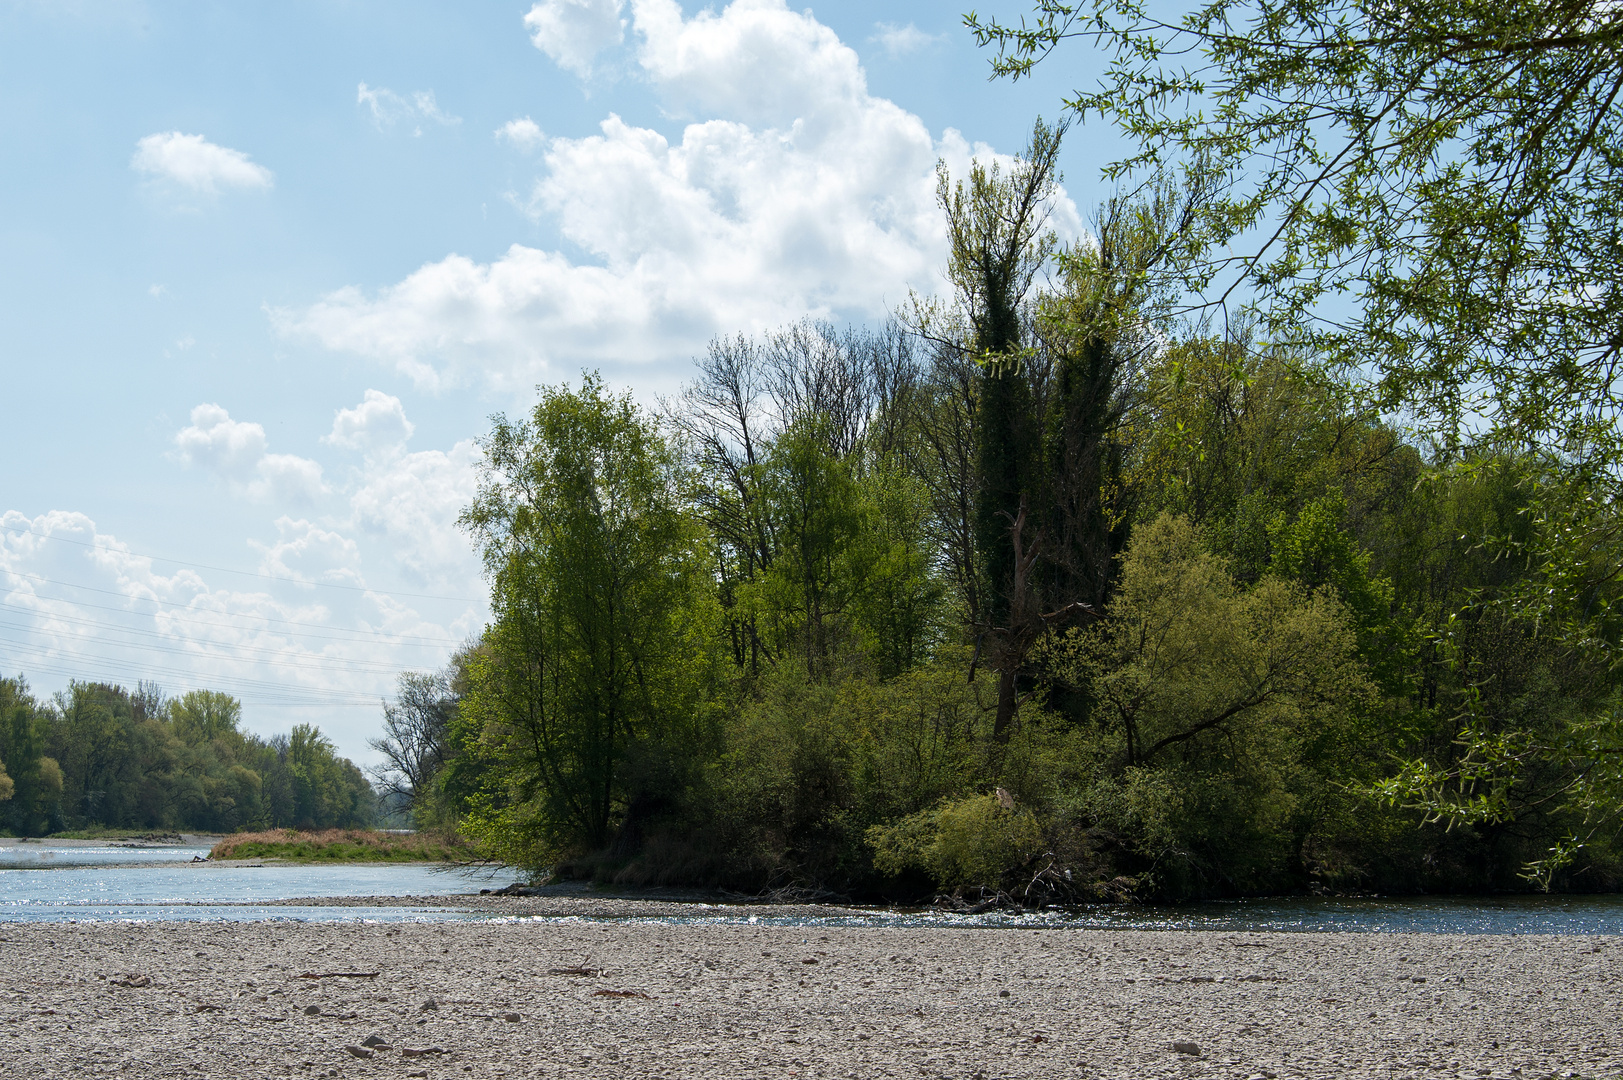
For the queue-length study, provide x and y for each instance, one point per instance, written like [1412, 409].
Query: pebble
[1307, 1006]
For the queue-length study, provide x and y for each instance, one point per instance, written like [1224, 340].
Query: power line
[188, 608]
[239, 686]
[183, 640]
[228, 570]
[52, 655]
[374, 667]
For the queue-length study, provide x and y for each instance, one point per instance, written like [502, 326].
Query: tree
[997, 229]
[1230, 708]
[1426, 195]
[590, 682]
[203, 715]
[1428, 187]
[416, 733]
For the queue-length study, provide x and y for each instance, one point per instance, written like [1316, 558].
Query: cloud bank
[793, 192]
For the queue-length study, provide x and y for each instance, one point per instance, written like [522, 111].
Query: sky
[270, 268]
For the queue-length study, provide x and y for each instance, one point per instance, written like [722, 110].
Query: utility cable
[188, 608]
[228, 570]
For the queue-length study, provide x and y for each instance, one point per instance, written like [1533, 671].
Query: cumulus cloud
[307, 552]
[796, 192]
[379, 421]
[237, 451]
[291, 652]
[900, 40]
[388, 108]
[573, 32]
[523, 133]
[412, 501]
[194, 163]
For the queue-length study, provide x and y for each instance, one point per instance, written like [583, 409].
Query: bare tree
[415, 725]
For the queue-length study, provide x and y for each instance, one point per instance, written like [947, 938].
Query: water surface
[41, 883]
[54, 888]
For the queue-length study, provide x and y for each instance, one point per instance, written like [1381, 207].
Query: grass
[100, 832]
[343, 845]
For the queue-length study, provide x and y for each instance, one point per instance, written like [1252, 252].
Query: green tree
[999, 240]
[1424, 188]
[1230, 711]
[203, 715]
[812, 501]
[590, 685]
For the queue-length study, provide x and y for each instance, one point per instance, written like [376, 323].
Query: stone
[1002, 993]
[429, 1006]
[359, 1051]
[312, 1010]
[375, 1042]
[511, 1018]
[1181, 1047]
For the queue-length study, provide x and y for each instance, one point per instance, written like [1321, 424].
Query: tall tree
[597, 655]
[997, 229]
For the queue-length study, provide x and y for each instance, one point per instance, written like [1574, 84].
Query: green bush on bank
[343, 845]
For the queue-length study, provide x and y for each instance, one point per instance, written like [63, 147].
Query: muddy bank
[650, 1000]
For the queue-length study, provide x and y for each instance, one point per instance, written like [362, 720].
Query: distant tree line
[101, 755]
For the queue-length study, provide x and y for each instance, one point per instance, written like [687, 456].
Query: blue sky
[271, 267]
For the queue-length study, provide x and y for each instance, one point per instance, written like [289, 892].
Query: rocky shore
[577, 997]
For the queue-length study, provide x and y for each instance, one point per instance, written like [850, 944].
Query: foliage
[1422, 196]
[967, 843]
[416, 740]
[342, 845]
[1048, 594]
[101, 756]
[1449, 167]
[587, 690]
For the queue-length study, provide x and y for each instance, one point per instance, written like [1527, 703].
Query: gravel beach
[645, 999]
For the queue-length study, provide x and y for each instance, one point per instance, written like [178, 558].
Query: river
[49, 883]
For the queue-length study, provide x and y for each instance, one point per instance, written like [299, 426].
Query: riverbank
[662, 999]
[344, 845]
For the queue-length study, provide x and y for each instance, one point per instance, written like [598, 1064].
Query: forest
[100, 756]
[1037, 596]
[1263, 539]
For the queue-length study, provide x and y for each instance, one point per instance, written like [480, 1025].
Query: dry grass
[343, 845]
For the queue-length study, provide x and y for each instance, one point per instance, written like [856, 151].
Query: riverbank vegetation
[1266, 539]
[99, 757]
[343, 845]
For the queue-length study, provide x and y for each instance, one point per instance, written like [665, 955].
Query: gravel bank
[236, 1000]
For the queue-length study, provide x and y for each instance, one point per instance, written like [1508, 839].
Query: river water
[42, 883]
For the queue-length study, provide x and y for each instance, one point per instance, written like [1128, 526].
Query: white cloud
[523, 133]
[306, 552]
[412, 501]
[291, 652]
[901, 40]
[573, 32]
[193, 162]
[798, 193]
[389, 108]
[237, 451]
[215, 441]
[378, 422]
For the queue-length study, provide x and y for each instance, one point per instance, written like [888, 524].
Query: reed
[343, 845]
